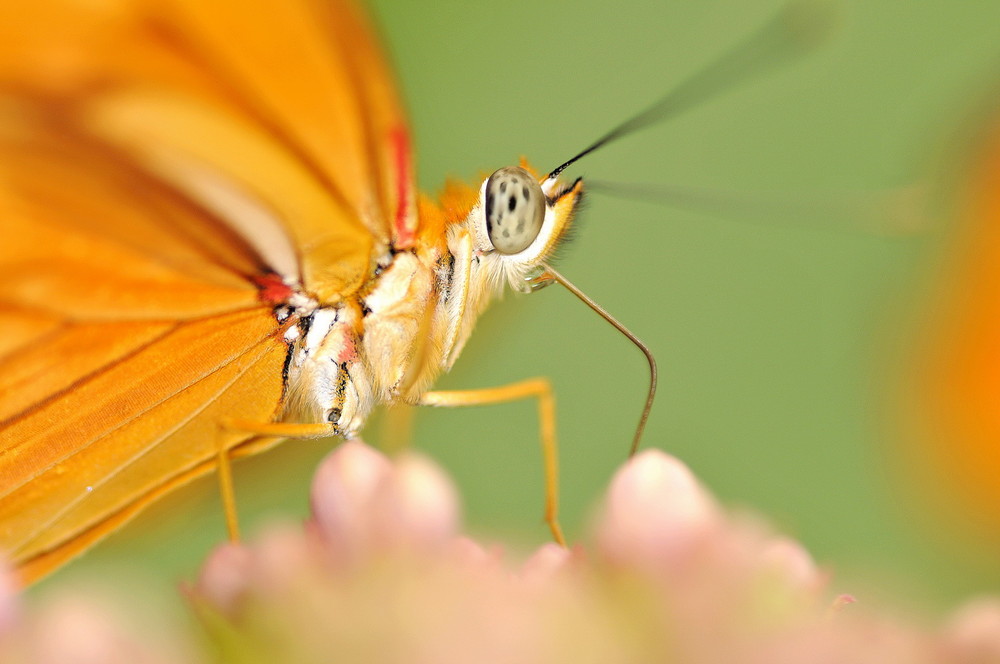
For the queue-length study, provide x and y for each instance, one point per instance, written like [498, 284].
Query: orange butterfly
[211, 242]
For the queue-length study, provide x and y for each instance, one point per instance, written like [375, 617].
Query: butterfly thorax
[388, 342]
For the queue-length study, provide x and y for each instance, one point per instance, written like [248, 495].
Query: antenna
[896, 212]
[793, 31]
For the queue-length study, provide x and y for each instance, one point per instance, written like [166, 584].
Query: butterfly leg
[226, 490]
[284, 429]
[224, 460]
[532, 388]
[396, 429]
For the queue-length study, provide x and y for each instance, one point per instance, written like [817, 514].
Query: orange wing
[156, 160]
[953, 387]
[134, 327]
[299, 78]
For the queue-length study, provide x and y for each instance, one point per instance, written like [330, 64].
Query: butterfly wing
[953, 386]
[157, 159]
[135, 326]
[312, 71]
[306, 76]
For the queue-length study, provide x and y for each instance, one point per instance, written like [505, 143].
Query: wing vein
[224, 77]
[189, 417]
[14, 419]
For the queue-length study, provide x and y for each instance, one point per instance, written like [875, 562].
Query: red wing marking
[404, 230]
[273, 290]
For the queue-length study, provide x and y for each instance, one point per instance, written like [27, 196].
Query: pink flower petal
[416, 505]
[9, 605]
[361, 501]
[281, 556]
[548, 560]
[342, 492]
[654, 509]
[840, 602]
[225, 576]
[75, 630]
[792, 563]
[975, 630]
[468, 553]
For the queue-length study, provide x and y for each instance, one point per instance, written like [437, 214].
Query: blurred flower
[79, 628]
[380, 573]
[9, 607]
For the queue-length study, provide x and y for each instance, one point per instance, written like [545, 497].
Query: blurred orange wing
[955, 375]
[158, 160]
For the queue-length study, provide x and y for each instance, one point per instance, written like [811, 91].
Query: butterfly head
[520, 220]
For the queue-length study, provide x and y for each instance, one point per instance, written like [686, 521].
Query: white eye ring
[515, 209]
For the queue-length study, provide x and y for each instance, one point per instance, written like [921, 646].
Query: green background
[778, 334]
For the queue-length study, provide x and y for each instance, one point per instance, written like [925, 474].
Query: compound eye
[515, 209]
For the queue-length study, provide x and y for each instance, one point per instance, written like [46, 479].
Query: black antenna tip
[799, 27]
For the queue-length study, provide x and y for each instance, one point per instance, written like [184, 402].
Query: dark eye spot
[527, 195]
[503, 187]
[334, 415]
[511, 203]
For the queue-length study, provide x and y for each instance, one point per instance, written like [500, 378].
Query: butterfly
[215, 243]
